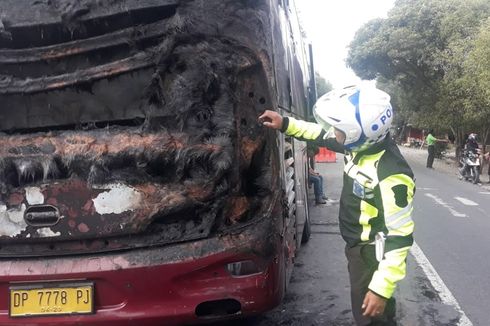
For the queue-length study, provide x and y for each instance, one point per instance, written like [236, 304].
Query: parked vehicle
[416, 143]
[470, 163]
[136, 186]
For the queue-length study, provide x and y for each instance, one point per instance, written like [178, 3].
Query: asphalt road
[447, 279]
[453, 229]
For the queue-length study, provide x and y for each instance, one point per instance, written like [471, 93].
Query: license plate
[51, 299]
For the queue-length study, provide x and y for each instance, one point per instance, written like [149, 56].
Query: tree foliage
[476, 81]
[322, 85]
[433, 57]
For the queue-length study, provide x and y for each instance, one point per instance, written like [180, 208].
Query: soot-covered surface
[154, 100]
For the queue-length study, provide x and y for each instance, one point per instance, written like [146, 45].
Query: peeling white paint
[34, 196]
[12, 221]
[120, 198]
[47, 232]
[16, 215]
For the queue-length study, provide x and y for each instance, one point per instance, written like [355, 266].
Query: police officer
[375, 214]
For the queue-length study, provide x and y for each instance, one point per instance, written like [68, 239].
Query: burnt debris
[154, 99]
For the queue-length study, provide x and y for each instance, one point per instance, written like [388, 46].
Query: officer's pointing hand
[271, 119]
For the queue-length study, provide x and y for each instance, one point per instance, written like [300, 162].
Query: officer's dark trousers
[432, 153]
[362, 265]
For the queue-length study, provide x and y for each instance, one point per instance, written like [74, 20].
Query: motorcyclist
[472, 144]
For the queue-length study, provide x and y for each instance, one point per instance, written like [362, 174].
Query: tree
[322, 85]
[476, 81]
[420, 52]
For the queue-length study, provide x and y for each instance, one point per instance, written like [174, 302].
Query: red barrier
[325, 156]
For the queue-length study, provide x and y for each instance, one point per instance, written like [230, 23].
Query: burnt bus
[137, 186]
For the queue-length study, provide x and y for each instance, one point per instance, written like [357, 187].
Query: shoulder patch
[400, 192]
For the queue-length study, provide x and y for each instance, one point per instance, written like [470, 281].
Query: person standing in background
[487, 158]
[431, 147]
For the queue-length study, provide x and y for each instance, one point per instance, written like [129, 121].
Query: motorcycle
[470, 166]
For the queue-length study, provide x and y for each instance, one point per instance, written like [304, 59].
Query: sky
[330, 26]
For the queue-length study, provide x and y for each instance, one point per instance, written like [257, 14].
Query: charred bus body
[135, 179]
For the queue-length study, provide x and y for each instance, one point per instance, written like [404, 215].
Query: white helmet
[363, 113]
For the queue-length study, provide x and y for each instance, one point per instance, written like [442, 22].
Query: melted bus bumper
[173, 285]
